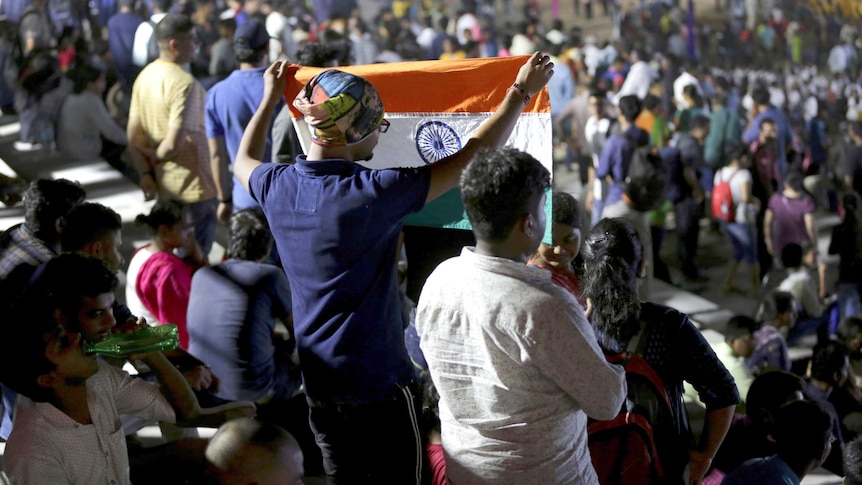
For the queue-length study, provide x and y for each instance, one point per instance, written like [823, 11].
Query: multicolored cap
[339, 108]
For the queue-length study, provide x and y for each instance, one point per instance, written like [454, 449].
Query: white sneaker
[23, 146]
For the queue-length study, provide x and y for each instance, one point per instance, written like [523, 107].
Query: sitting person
[770, 347]
[803, 440]
[739, 344]
[826, 382]
[814, 316]
[560, 258]
[234, 310]
[159, 281]
[752, 435]
[69, 434]
[675, 348]
[246, 450]
[85, 130]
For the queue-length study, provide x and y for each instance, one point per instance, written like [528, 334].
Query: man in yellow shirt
[166, 128]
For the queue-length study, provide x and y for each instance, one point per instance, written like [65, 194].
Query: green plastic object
[150, 339]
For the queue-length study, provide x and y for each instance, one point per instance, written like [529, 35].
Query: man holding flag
[337, 225]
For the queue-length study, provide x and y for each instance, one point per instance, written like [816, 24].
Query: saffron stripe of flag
[434, 107]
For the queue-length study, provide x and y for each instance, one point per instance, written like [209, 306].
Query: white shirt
[518, 370]
[736, 178]
[802, 286]
[48, 447]
[142, 39]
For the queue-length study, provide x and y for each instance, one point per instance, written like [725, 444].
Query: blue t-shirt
[231, 319]
[230, 105]
[336, 226]
[615, 157]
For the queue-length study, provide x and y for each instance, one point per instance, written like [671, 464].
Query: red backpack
[627, 450]
[723, 207]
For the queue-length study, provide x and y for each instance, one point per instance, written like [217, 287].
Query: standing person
[166, 129]
[725, 133]
[613, 166]
[596, 134]
[742, 230]
[525, 335]
[121, 39]
[789, 218]
[146, 29]
[764, 110]
[689, 212]
[340, 224]
[230, 105]
[675, 348]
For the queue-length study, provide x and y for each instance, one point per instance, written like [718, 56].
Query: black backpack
[646, 179]
[152, 44]
[628, 449]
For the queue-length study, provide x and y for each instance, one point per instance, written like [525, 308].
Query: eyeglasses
[383, 127]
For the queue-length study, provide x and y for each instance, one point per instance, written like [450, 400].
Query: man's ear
[642, 269]
[527, 225]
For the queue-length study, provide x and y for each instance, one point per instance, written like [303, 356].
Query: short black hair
[791, 256]
[86, 223]
[171, 25]
[499, 187]
[566, 210]
[47, 200]
[700, 122]
[630, 107]
[803, 430]
[760, 96]
[740, 326]
[827, 359]
[82, 75]
[250, 237]
[32, 320]
[768, 392]
[651, 102]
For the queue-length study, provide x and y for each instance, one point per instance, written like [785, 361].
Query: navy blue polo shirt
[336, 225]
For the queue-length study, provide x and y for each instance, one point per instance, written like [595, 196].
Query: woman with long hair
[671, 345]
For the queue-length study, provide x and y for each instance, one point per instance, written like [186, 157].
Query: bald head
[247, 450]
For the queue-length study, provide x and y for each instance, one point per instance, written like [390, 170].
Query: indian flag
[434, 107]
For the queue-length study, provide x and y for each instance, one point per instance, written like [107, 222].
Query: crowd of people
[499, 362]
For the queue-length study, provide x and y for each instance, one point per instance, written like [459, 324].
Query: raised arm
[495, 131]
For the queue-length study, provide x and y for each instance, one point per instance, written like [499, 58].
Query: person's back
[511, 339]
[121, 38]
[232, 102]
